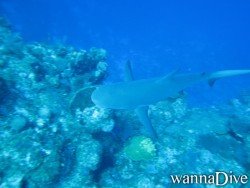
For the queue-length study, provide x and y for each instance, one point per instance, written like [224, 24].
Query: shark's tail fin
[226, 73]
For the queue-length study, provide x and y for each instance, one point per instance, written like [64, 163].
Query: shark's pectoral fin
[142, 113]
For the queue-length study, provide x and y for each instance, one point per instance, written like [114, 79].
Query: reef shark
[139, 94]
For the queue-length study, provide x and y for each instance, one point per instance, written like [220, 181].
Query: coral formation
[49, 140]
[140, 148]
[42, 140]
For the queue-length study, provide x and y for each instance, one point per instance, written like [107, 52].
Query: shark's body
[139, 94]
[133, 94]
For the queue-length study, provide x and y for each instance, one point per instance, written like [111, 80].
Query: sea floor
[51, 135]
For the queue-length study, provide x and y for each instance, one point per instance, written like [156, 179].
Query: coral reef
[51, 134]
[140, 148]
[191, 141]
[42, 140]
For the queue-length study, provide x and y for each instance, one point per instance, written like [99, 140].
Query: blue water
[157, 36]
[53, 135]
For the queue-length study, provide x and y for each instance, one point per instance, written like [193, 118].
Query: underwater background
[52, 137]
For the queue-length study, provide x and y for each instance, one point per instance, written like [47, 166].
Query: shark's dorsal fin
[142, 111]
[128, 72]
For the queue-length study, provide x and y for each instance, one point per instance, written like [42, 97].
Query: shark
[139, 94]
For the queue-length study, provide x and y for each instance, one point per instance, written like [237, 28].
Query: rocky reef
[43, 142]
[51, 135]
